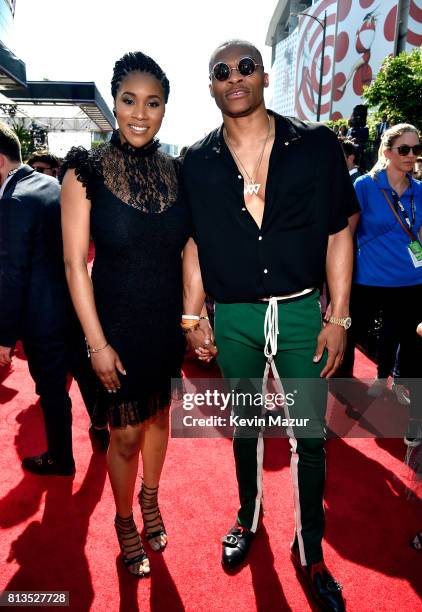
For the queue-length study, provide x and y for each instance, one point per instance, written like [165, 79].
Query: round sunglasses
[222, 71]
[405, 149]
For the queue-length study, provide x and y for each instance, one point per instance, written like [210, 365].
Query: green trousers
[239, 333]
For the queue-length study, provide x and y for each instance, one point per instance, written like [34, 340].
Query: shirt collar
[285, 133]
[8, 179]
[382, 180]
[353, 171]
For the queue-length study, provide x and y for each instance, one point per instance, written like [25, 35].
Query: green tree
[332, 124]
[27, 146]
[397, 89]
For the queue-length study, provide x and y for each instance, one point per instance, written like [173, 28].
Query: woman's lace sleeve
[86, 165]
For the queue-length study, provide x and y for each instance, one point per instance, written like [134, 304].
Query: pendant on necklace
[252, 188]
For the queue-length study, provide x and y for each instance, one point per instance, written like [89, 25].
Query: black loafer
[100, 438]
[325, 590]
[44, 466]
[236, 545]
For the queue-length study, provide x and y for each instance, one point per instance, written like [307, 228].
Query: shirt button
[265, 271]
[259, 237]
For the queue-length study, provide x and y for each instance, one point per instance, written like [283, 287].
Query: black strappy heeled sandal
[133, 553]
[153, 522]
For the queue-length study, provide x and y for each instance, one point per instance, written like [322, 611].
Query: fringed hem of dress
[121, 413]
[135, 412]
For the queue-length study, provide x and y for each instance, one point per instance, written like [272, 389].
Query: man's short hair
[350, 148]
[236, 43]
[9, 143]
[45, 157]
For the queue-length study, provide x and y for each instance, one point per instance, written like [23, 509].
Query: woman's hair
[388, 139]
[139, 62]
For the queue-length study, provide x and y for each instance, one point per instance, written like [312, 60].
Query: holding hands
[200, 338]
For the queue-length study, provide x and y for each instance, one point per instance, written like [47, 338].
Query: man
[417, 170]
[34, 303]
[45, 163]
[380, 128]
[351, 153]
[269, 198]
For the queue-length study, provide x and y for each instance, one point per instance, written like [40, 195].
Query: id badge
[415, 252]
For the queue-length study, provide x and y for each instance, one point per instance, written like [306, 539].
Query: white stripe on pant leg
[294, 470]
[259, 466]
[271, 332]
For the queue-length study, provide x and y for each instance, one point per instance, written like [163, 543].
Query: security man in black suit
[34, 301]
[380, 128]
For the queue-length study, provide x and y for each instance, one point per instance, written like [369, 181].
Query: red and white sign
[309, 51]
[366, 34]
[414, 25]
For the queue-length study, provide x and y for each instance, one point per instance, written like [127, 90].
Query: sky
[79, 40]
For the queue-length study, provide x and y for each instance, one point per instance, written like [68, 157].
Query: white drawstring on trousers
[271, 328]
[270, 350]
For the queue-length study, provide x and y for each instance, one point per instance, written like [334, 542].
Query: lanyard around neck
[400, 208]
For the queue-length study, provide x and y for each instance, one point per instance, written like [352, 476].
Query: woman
[388, 266]
[126, 195]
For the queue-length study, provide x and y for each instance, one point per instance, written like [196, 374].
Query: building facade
[7, 10]
[359, 34]
[12, 69]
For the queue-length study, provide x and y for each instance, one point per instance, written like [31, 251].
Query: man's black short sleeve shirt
[309, 195]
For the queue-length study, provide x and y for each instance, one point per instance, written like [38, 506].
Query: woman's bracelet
[90, 349]
[193, 324]
[206, 318]
[184, 323]
[188, 317]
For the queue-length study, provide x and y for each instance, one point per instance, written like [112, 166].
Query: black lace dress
[139, 226]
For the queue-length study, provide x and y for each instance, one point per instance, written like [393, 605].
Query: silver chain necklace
[251, 187]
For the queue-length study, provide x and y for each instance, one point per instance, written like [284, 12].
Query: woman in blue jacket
[388, 265]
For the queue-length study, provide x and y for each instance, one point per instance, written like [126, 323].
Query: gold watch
[343, 322]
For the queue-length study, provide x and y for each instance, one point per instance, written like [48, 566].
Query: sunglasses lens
[405, 150]
[246, 66]
[221, 71]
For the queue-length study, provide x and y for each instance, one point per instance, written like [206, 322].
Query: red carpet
[57, 533]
